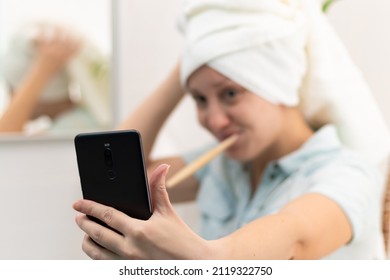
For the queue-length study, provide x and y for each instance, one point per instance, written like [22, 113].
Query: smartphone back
[112, 171]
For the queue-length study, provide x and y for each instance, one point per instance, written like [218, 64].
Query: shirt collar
[323, 141]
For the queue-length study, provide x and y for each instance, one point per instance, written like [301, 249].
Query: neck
[293, 134]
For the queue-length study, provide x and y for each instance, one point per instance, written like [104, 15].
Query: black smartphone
[112, 171]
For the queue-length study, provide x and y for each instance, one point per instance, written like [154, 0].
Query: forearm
[149, 117]
[24, 100]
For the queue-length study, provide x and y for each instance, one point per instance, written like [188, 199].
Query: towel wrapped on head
[286, 52]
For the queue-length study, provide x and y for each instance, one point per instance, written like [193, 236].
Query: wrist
[45, 68]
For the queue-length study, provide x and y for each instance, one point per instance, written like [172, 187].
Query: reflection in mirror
[55, 61]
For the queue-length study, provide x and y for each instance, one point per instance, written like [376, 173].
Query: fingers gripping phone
[112, 171]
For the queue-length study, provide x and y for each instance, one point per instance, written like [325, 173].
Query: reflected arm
[24, 100]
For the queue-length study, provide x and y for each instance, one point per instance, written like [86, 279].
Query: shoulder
[324, 155]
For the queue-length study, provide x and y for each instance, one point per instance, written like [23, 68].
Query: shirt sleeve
[356, 188]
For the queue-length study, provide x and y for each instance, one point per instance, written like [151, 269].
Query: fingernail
[77, 205]
[167, 168]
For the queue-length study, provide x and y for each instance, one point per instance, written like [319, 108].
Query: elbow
[297, 251]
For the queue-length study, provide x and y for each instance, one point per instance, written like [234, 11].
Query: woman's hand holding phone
[163, 236]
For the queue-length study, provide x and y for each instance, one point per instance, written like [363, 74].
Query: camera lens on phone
[108, 157]
[107, 152]
[111, 174]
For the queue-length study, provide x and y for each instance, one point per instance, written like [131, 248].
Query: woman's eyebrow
[220, 83]
[192, 91]
[215, 85]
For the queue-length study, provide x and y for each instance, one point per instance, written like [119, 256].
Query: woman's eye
[199, 99]
[230, 94]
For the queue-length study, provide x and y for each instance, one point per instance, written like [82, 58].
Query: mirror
[56, 57]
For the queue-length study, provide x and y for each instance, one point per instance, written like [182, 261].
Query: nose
[217, 119]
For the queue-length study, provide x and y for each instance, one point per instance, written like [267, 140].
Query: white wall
[38, 186]
[39, 179]
[364, 27]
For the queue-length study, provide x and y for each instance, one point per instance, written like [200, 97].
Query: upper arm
[183, 191]
[321, 225]
[340, 206]
[309, 227]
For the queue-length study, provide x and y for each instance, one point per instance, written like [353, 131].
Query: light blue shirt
[322, 165]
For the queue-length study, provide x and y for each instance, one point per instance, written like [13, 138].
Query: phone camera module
[107, 152]
[111, 174]
[108, 157]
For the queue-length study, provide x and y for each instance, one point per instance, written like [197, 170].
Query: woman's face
[225, 108]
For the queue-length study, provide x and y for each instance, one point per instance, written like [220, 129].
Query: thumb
[159, 195]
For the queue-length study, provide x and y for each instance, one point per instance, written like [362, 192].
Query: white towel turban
[286, 52]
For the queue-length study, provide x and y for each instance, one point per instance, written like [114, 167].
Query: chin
[238, 155]
[243, 153]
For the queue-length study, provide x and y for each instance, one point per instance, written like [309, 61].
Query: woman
[283, 190]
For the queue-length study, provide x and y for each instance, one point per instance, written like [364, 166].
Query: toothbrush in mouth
[201, 161]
